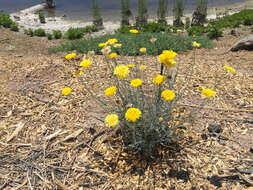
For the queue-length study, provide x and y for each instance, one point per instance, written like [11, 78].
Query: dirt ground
[48, 141]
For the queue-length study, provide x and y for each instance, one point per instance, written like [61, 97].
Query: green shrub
[187, 23]
[132, 43]
[39, 32]
[214, 33]
[5, 20]
[124, 29]
[14, 27]
[57, 34]
[248, 20]
[29, 32]
[154, 27]
[74, 33]
[90, 29]
[42, 18]
[196, 30]
[49, 36]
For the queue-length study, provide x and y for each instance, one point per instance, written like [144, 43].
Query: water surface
[110, 9]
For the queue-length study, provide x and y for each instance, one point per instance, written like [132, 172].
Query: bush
[29, 32]
[154, 27]
[196, 30]
[49, 36]
[214, 33]
[248, 20]
[42, 18]
[57, 34]
[39, 32]
[90, 29]
[14, 27]
[132, 43]
[142, 109]
[74, 33]
[5, 20]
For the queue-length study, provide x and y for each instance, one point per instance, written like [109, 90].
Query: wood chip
[19, 126]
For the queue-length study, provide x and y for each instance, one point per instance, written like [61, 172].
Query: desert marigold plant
[140, 107]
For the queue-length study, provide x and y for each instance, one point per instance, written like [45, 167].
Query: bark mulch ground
[48, 141]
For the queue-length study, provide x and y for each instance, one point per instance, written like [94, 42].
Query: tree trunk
[50, 3]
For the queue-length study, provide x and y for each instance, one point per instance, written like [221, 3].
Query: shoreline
[28, 18]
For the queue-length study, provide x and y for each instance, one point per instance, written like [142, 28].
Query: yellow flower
[112, 41]
[143, 50]
[131, 65]
[170, 54]
[159, 79]
[229, 69]
[113, 55]
[136, 82]
[153, 40]
[70, 56]
[85, 63]
[208, 93]
[121, 71]
[117, 45]
[111, 120]
[132, 114]
[143, 67]
[195, 44]
[110, 91]
[168, 95]
[78, 73]
[179, 31]
[66, 91]
[160, 119]
[165, 58]
[133, 31]
[102, 44]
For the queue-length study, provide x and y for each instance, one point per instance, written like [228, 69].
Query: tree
[125, 12]
[50, 3]
[142, 18]
[178, 12]
[97, 19]
[199, 15]
[162, 11]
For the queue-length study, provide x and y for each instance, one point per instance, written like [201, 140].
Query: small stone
[251, 150]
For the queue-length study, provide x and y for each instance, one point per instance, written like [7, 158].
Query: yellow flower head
[143, 67]
[153, 40]
[229, 69]
[136, 82]
[133, 31]
[167, 58]
[117, 45]
[111, 120]
[168, 95]
[112, 55]
[179, 31]
[85, 63]
[195, 44]
[131, 65]
[112, 41]
[121, 71]
[160, 119]
[110, 91]
[208, 93]
[70, 56]
[143, 50]
[159, 79]
[132, 114]
[102, 44]
[78, 73]
[66, 91]
[170, 54]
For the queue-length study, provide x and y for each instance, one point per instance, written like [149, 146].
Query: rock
[17, 18]
[233, 33]
[243, 44]
[214, 130]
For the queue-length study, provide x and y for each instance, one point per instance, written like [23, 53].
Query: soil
[48, 141]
